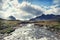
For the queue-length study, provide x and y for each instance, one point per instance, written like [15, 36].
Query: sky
[39, 2]
[27, 9]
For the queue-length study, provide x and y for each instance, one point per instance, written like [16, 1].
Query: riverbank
[30, 32]
[51, 29]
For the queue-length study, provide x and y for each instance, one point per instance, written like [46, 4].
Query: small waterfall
[31, 32]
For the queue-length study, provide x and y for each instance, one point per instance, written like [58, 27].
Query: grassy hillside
[6, 26]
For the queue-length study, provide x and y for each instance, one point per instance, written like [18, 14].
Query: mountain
[2, 19]
[11, 18]
[46, 17]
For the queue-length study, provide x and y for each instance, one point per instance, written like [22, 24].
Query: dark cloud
[27, 17]
[0, 1]
[1, 4]
[32, 10]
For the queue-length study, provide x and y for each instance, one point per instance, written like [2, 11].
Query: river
[31, 32]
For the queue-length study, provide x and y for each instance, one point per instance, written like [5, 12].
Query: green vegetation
[7, 26]
[7, 30]
[57, 27]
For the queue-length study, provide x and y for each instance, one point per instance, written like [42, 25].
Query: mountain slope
[46, 17]
[11, 18]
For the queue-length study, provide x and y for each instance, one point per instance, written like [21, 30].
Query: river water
[31, 32]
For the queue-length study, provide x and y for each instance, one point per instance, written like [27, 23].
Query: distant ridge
[11, 18]
[2, 19]
[46, 17]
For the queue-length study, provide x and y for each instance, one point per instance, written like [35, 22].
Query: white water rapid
[31, 32]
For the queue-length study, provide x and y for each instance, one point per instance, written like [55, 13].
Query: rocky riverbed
[32, 32]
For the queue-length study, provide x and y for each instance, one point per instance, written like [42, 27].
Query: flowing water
[31, 32]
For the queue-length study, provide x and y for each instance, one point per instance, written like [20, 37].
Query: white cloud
[24, 10]
[57, 2]
[54, 9]
[20, 11]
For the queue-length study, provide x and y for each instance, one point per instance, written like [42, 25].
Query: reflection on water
[31, 32]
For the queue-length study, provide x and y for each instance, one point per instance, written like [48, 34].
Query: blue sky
[40, 2]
